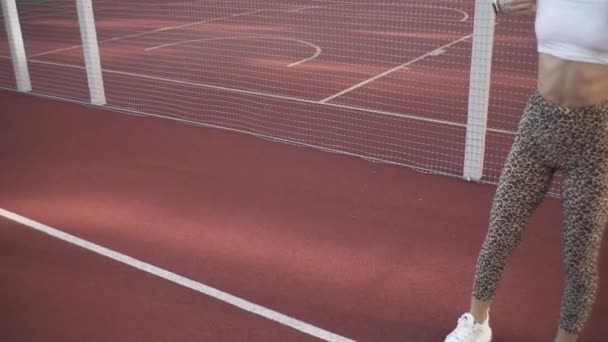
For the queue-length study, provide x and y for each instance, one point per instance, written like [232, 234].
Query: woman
[564, 126]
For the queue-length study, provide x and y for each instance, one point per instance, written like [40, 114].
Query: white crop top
[575, 30]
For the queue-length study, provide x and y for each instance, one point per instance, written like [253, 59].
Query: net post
[479, 89]
[90, 48]
[17, 47]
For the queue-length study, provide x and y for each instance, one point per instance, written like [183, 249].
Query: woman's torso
[573, 46]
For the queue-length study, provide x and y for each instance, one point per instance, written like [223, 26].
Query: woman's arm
[514, 6]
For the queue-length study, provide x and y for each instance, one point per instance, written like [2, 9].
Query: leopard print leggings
[551, 137]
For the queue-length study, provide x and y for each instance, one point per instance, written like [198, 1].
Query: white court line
[162, 29]
[70, 10]
[47, 15]
[465, 15]
[435, 52]
[275, 96]
[178, 279]
[314, 46]
[167, 28]
[55, 51]
[256, 93]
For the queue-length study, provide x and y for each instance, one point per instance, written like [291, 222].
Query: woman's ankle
[480, 316]
[480, 310]
[563, 336]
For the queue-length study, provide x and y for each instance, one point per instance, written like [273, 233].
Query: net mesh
[7, 76]
[387, 81]
[384, 81]
[50, 28]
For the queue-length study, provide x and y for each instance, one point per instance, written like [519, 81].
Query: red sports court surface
[54, 291]
[362, 250]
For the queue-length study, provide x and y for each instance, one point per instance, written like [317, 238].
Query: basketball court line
[317, 49]
[178, 279]
[167, 28]
[139, 34]
[435, 52]
[439, 50]
[465, 15]
[257, 93]
[274, 96]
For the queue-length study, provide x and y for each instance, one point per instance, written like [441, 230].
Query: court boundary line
[276, 96]
[139, 34]
[257, 93]
[317, 48]
[175, 278]
[465, 15]
[435, 52]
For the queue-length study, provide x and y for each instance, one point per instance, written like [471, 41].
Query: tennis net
[391, 81]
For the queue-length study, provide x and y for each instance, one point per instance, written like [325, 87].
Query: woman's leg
[523, 184]
[585, 205]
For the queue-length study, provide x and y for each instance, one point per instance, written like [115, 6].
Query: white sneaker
[469, 331]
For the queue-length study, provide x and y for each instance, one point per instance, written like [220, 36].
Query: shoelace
[464, 330]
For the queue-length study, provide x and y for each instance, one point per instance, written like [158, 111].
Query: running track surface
[367, 251]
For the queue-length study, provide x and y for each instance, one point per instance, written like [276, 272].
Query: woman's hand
[516, 6]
